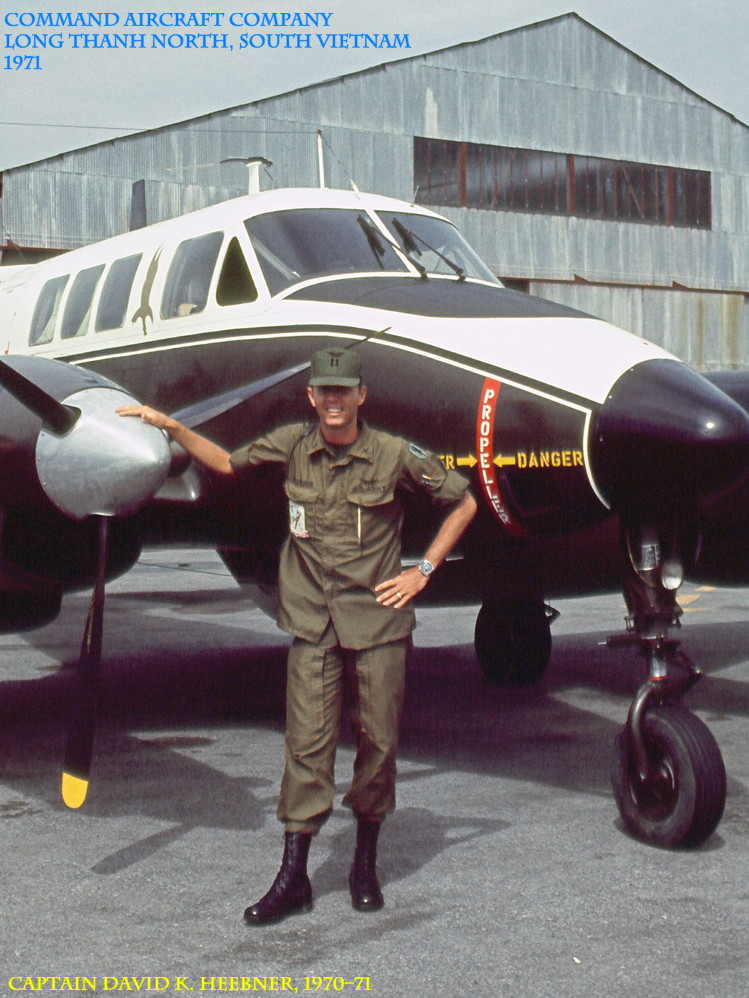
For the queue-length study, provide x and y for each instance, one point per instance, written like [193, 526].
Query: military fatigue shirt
[346, 510]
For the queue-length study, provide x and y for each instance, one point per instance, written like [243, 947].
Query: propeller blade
[58, 418]
[80, 743]
[195, 415]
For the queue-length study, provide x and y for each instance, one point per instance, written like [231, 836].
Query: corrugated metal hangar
[579, 171]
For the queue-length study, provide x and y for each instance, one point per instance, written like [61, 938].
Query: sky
[65, 97]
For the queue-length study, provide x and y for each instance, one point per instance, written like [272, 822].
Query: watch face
[426, 567]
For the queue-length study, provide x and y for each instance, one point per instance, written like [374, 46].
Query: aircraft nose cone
[668, 441]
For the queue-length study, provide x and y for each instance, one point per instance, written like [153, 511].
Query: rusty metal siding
[565, 52]
[560, 85]
[708, 330]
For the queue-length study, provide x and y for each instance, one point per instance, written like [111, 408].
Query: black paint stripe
[454, 359]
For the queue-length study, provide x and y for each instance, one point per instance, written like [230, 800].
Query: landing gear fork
[667, 770]
[660, 687]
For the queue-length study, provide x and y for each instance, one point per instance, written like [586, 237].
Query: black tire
[683, 805]
[513, 642]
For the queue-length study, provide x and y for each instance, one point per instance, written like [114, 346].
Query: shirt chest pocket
[373, 509]
[370, 494]
[303, 498]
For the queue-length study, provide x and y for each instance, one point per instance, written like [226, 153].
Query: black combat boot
[363, 884]
[291, 891]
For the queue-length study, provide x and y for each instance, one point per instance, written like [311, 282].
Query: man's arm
[398, 591]
[203, 450]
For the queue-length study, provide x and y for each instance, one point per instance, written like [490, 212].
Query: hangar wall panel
[708, 331]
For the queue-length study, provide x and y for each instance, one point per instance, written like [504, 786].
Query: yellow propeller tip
[74, 790]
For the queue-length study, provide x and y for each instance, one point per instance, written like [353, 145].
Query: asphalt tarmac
[506, 869]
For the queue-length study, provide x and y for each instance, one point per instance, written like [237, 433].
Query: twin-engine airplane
[601, 461]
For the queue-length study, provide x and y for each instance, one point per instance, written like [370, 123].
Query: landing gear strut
[667, 770]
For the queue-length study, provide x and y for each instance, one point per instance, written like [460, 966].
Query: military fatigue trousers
[318, 675]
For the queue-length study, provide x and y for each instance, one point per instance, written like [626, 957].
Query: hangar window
[189, 277]
[78, 307]
[116, 293]
[45, 313]
[499, 178]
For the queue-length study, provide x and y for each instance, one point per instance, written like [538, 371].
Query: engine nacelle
[55, 476]
[105, 464]
[25, 611]
[96, 462]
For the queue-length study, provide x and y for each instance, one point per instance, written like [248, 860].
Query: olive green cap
[335, 367]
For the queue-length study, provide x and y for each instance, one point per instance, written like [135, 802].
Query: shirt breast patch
[297, 519]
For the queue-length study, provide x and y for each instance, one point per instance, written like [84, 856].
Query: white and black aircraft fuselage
[594, 453]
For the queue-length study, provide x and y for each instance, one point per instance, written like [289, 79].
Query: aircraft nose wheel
[679, 798]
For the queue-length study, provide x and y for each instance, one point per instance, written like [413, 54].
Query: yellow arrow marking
[686, 598]
[451, 461]
[470, 461]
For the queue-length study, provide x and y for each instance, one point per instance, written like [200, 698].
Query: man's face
[337, 407]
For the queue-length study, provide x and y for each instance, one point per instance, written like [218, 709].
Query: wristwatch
[426, 567]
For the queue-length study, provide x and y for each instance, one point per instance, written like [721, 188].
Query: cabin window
[45, 313]
[235, 283]
[77, 312]
[116, 293]
[189, 277]
[502, 178]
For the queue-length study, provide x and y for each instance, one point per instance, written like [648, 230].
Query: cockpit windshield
[434, 246]
[306, 243]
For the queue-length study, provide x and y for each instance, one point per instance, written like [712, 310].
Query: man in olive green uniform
[345, 598]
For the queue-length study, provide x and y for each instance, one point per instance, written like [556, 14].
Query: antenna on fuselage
[253, 164]
[321, 162]
[320, 159]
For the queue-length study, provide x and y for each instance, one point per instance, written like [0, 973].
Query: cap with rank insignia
[335, 367]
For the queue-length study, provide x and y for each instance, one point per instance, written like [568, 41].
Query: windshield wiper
[409, 247]
[410, 240]
[373, 238]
